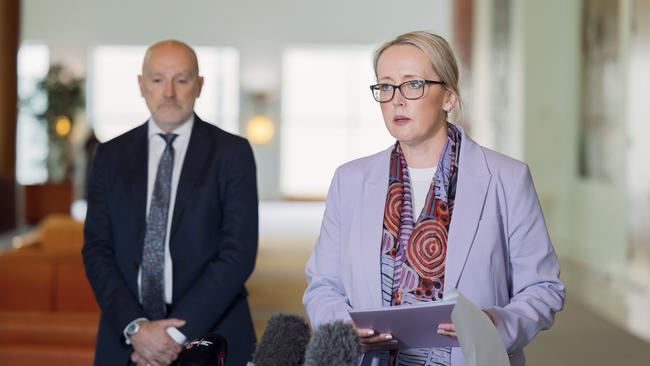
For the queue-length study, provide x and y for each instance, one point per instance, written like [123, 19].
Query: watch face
[133, 328]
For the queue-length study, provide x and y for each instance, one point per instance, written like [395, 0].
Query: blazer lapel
[137, 153]
[471, 190]
[372, 217]
[198, 151]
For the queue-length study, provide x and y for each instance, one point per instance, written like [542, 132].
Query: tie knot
[168, 137]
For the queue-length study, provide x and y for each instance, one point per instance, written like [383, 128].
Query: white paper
[479, 339]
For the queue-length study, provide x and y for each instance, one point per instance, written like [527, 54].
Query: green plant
[65, 98]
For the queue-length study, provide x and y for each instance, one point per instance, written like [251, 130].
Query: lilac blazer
[499, 253]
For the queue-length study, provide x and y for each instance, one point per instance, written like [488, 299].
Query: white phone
[176, 335]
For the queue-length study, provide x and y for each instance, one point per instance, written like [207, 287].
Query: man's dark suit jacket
[213, 240]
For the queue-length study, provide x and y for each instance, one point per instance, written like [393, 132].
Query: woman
[432, 213]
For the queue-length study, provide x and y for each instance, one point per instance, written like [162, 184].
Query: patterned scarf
[413, 253]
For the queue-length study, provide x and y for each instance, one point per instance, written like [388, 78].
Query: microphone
[209, 350]
[283, 342]
[333, 344]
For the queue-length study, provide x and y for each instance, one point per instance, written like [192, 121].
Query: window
[329, 116]
[31, 133]
[114, 102]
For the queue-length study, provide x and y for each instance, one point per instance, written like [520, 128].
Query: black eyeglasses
[411, 90]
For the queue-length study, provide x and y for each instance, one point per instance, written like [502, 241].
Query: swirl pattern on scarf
[414, 251]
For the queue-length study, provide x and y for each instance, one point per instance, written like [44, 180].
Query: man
[171, 230]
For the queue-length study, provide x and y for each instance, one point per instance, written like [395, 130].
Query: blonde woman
[432, 213]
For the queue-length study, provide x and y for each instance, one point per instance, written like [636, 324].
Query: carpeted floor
[581, 337]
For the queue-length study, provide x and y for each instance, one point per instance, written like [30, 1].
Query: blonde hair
[439, 52]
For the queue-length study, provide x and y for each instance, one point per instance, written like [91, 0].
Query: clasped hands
[153, 346]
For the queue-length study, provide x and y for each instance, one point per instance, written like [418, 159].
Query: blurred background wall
[259, 30]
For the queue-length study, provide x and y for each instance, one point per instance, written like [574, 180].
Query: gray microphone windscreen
[333, 344]
[283, 342]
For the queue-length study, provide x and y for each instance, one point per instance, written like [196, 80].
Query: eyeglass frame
[438, 82]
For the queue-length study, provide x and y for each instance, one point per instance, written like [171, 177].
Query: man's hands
[153, 346]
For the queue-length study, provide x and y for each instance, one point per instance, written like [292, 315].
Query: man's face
[170, 83]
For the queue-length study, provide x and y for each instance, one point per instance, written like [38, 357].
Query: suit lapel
[137, 156]
[198, 151]
[372, 217]
[473, 181]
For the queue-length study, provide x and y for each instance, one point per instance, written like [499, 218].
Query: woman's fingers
[379, 341]
[364, 332]
[379, 338]
[447, 329]
[369, 340]
[378, 344]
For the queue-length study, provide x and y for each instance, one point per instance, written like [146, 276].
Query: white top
[156, 147]
[421, 179]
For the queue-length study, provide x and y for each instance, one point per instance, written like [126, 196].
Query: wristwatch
[133, 328]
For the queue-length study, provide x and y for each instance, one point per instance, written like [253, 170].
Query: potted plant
[65, 98]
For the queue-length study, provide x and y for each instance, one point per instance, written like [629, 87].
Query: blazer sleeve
[536, 291]
[117, 302]
[325, 299]
[223, 279]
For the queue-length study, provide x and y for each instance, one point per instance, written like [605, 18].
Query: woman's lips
[401, 120]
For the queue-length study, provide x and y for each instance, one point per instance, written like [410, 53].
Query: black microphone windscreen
[333, 344]
[209, 350]
[283, 342]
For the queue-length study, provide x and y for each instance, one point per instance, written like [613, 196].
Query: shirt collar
[183, 130]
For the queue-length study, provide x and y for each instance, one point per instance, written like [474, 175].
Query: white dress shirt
[156, 147]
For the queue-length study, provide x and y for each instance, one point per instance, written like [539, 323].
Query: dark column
[9, 36]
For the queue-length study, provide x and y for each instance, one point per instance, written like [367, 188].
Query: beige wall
[638, 148]
[597, 223]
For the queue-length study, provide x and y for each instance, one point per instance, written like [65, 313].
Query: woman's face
[412, 122]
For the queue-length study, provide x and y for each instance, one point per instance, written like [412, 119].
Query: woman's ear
[450, 101]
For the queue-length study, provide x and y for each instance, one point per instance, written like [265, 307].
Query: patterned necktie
[153, 253]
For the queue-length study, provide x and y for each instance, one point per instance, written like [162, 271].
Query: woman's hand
[449, 329]
[369, 341]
